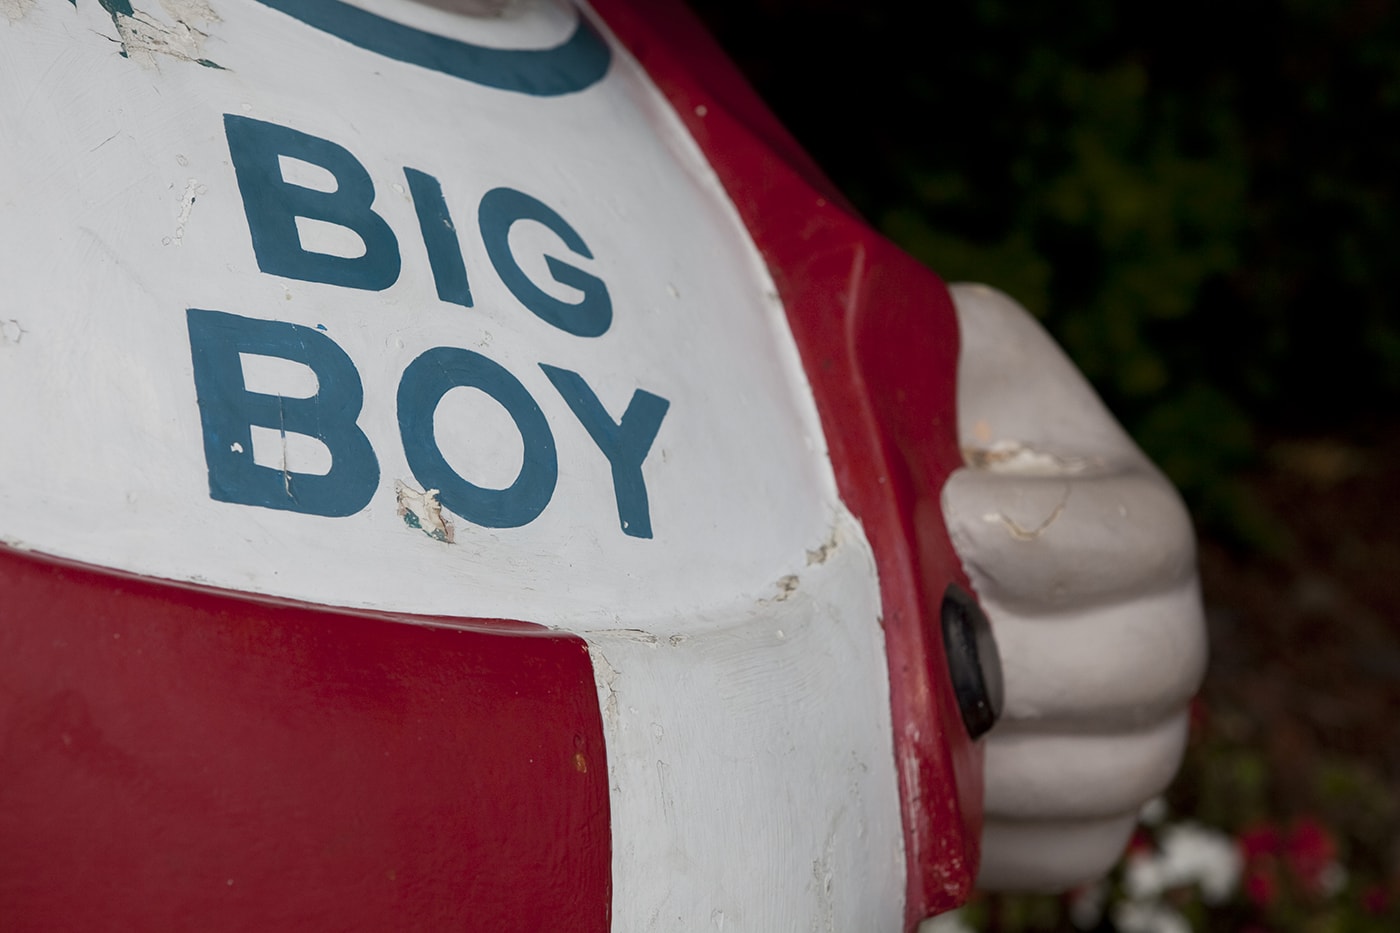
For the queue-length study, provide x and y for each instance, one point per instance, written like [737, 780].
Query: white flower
[1333, 879]
[1190, 854]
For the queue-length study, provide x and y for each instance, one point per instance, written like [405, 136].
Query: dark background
[1199, 201]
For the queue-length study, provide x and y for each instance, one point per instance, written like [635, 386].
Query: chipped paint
[144, 36]
[787, 585]
[629, 634]
[1015, 458]
[10, 331]
[193, 189]
[422, 510]
[824, 552]
[15, 10]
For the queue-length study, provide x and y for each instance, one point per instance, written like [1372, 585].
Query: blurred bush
[1197, 200]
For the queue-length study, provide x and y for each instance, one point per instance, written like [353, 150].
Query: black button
[974, 665]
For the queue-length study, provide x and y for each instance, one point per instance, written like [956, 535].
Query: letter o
[426, 380]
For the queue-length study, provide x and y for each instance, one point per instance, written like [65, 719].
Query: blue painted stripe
[579, 62]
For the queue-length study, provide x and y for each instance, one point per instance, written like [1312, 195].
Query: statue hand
[1083, 557]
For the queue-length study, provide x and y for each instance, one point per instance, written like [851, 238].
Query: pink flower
[1259, 847]
[1261, 884]
[1376, 899]
[1141, 842]
[1199, 719]
[1302, 858]
[1258, 842]
[1310, 852]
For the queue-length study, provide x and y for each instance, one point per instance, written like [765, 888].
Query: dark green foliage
[1199, 200]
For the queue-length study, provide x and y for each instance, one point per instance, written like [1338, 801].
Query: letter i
[440, 238]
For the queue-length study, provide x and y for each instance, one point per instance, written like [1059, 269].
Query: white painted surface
[744, 690]
[750, 767]
[122, 210]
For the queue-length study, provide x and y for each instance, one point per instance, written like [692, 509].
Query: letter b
[272, 206]
[228, 411]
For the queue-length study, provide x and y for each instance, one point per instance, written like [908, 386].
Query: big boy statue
[463, 467]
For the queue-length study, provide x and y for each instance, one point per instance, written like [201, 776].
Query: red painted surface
[878, 338]
[181, 759]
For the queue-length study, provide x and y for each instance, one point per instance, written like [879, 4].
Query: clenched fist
[1083, 558]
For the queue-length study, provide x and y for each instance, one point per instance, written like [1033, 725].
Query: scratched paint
[768, 713]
